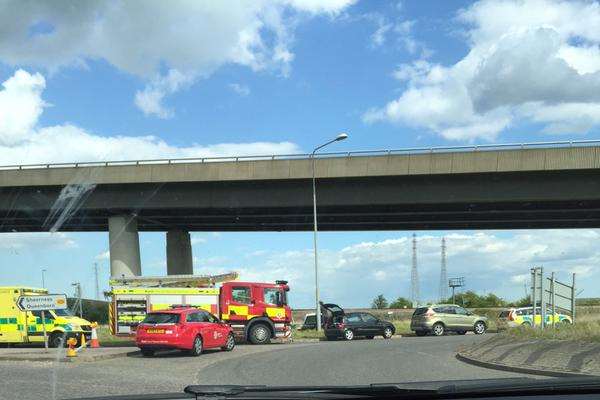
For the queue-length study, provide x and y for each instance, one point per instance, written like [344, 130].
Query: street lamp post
[43, 278]
[339, 137]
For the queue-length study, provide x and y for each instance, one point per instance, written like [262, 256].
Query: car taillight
[339, 325]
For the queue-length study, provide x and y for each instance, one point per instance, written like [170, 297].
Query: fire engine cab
[256, 311]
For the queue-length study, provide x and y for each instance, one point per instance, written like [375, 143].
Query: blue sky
[283, 76]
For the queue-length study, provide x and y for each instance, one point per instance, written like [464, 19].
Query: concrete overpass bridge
[541, 185]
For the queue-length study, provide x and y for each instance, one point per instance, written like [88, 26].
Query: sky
[96, 81]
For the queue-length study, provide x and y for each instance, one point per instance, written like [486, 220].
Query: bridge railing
[356, 153]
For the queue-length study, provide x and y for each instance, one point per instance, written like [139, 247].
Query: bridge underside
[557, 199]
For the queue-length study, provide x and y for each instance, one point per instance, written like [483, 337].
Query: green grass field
[584, 330]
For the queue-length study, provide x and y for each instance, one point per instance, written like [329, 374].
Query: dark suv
[339, 324]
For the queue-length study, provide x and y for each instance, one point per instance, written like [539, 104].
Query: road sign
[42, 303]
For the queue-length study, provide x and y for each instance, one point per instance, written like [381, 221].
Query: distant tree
[522, 302]
[379, 302]
[473, 300]
[401, 302]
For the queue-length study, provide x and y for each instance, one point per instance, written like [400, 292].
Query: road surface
[322, 363]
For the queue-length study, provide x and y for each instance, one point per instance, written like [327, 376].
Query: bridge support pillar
[179, 253]
[124, 246]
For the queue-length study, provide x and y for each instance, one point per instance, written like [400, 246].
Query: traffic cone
[83, 344]
[94, 343]
[71, 350]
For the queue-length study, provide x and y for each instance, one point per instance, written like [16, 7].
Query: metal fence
[357, 153]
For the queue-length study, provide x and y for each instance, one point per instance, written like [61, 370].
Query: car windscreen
[503, 314]
[310, 319]
[161, 318]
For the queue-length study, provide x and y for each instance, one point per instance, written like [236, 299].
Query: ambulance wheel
[147, 352]
[197, 346]
[259, 334]
[230, 344]
[56, 339]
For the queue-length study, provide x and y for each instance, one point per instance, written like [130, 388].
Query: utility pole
[414, 277]
[97, 284]
[443, 274]
[43, 278]
[77, 286]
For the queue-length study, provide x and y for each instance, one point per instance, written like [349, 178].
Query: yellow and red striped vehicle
[256, 311]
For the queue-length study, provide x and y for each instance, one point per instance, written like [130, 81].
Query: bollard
[71, 350]
[83, 344]
[94, 343]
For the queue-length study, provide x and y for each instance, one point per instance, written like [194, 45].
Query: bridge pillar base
[179, 253]
[124, 246]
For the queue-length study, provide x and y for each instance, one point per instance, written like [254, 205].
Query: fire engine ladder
[174, 280]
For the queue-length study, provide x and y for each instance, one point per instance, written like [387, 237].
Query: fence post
[533, 292]
[553, 303]
[542, 302]
[573, 292]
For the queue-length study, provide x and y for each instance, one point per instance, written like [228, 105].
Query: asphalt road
[323, 363]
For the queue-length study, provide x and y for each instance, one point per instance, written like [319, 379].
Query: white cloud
[15, 243]
[194, 38]
[150, 99]
[105, 255]
[527, 60]
[491, 261]
[22, 141]
[195, 239]
[21, 105]
[240, 89]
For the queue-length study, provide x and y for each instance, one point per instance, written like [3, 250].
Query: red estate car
[183, 328]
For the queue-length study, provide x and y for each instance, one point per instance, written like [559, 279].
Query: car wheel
[526, 324]
[259, 334]
[421, 333]
[479, 328]
[566, 322]
[196, 347]
[147, 352]
[438, 329]
[461, 332]
[348, 334]
[388, 333]
[57, 339]
[230, 344]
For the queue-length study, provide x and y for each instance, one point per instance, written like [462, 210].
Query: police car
[524, 317]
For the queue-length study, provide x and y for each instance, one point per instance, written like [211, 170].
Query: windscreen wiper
[373, 390]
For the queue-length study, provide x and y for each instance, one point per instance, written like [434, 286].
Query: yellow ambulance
[18, 326]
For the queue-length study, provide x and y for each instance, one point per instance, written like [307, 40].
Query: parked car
[438, 319]
[310, 322]
[186, 328]
[524, 316]
[339, 324]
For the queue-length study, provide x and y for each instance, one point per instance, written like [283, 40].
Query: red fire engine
[256, 312]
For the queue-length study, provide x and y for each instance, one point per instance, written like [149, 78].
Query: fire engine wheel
[196, 347]
[259, 334]
[348, 334]
[230, 344]
[56, 339]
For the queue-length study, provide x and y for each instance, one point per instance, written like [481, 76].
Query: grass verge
[108, 340]
[582, 331]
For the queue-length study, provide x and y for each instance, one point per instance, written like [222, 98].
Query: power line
[443, 274]
[414, 278]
